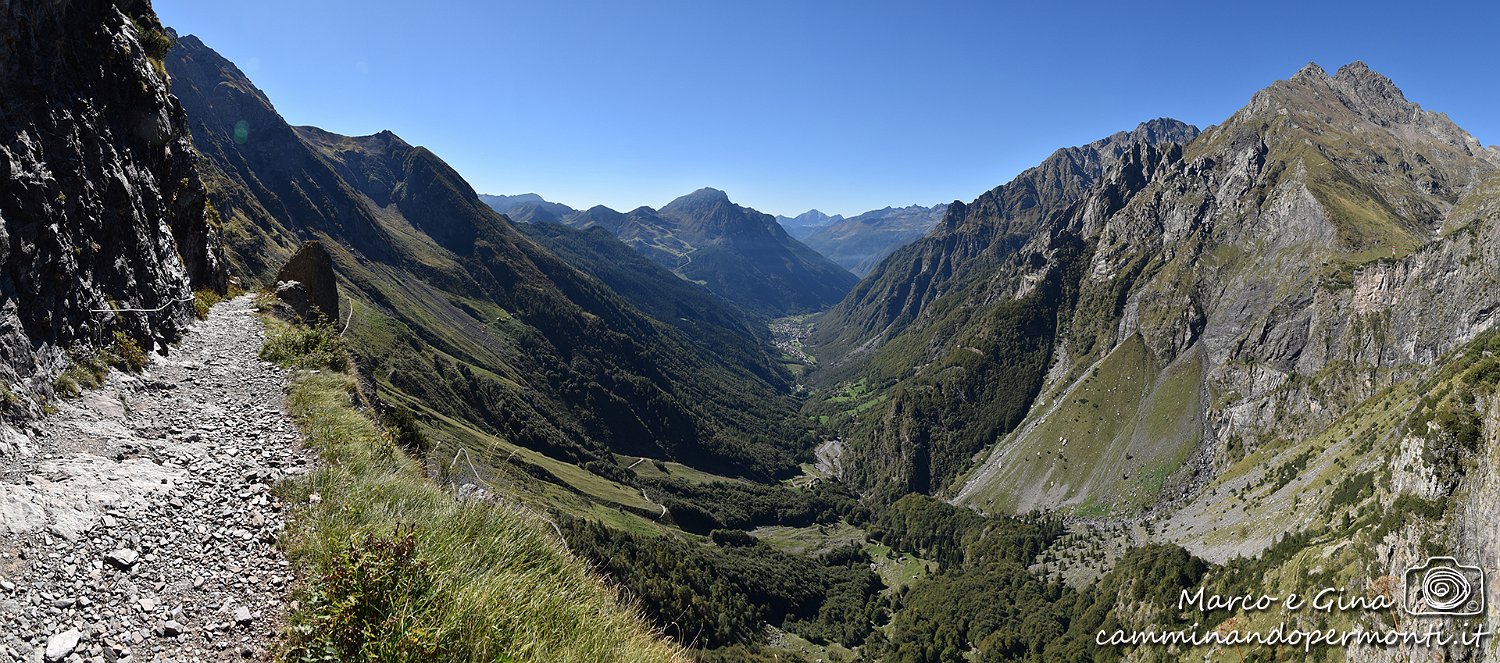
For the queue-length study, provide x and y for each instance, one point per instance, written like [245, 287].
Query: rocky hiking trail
[137, 522]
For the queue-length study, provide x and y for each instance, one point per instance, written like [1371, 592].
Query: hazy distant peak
[527, 207]
[703, 196]
[815, 217]
[803, 224]
[518, 198]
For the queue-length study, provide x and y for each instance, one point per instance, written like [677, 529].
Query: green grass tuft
[129, 353]
[305, 346]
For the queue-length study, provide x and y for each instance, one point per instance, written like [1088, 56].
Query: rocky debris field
[137, 523]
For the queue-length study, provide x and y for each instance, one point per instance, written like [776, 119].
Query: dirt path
[137, 523]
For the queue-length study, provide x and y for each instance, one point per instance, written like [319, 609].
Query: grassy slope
[483, 582]
[738, 338]
[1108, 444]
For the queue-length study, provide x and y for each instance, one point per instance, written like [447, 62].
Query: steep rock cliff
[99, 207]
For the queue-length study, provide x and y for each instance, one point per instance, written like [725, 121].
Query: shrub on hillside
[372, 587]
[307, 346]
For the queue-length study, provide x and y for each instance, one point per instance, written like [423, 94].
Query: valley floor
[137, 522]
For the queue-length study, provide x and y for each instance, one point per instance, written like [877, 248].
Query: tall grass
[392, 568]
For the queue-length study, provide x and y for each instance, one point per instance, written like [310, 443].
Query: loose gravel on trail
[137, 523]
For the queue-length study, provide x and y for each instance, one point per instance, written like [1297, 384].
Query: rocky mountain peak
[1372, 94]
[386, 140]
[1358, 70]
[807, 223]
[1356, 102]
[1162, 130]
[711, 208]
[702, 196]
[1354, 88]
[815, 217]
[1310, 71]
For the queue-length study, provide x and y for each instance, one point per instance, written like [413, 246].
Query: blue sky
[842, 106]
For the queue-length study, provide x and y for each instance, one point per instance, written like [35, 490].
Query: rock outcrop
[972, 237]
[102, 223]
[307, 283]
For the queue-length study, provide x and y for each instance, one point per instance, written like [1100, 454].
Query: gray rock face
[1381, 279]
[971, 237]
[99, 204]
[308, 285]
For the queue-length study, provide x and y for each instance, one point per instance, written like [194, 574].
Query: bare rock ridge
[140, 521]
[99, 205]
[989, 228]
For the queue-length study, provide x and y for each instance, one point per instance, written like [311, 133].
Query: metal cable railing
[158, 309]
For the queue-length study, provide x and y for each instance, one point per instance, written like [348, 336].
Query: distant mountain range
[856, 244]
[859, 243]
[527, 208]
[807, 223]
[740, 254]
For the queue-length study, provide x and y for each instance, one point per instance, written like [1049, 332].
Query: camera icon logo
[1441, 586]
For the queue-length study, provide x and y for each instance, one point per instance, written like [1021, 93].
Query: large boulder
[307, 283]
